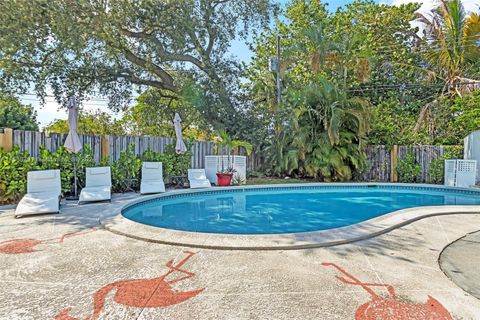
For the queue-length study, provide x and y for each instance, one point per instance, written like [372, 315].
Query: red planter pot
[224, 179]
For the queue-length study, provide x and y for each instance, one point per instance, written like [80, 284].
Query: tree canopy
[15, 115]
[94, 122]
[366, 73]
[107, 47]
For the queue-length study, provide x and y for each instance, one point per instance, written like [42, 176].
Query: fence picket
[378, 169]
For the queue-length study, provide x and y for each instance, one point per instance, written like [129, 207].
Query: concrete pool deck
[461, 262]
[64, 267]
[363, 230]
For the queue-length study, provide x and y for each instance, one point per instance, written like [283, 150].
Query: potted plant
[224, 177]
[226, 143]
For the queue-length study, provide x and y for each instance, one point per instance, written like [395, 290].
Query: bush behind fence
[380, 157]
[111, 146]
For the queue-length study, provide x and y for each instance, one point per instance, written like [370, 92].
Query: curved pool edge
[291, 241]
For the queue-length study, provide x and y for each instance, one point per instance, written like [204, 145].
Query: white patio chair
[43, 193]
[98, 185]
[198, 179]
[152, 178]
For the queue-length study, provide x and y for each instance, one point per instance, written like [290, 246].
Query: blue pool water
[287, 209]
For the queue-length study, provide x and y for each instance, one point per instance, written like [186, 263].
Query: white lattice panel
[450, 168]
[466, 173]
[460, 173]
[240, 166]
[213, 164]
[211, 168]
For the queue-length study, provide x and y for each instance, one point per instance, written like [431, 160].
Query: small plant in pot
[224, 177]
[226, 143]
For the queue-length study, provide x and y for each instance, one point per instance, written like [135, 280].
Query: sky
[51, 110]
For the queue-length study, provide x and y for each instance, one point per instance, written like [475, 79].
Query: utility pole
[279, 80]
[274, 66]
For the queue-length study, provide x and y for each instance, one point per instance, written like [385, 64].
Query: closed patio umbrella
[180, 147]
[73, 143]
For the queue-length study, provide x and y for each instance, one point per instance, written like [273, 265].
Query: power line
[404, 86]
[50, 96]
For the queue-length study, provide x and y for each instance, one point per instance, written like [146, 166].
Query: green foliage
[452, 54]
[436, 170]
[62, 160]
[153, 115]
[237, 180]
[453, 42]
[226, 143]
[84, 159]
[393, 124]
[408, 169]
[453, 152]
[90, 122]
[16, 115]
[255, 174]
[126, 170]
[372, 51]
[324, 136]
[462, 118]
[173, 164]
[109, 48]
[14, 166]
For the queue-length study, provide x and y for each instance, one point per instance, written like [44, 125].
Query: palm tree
[329, 131]
[454, 50]
[225, 141]
[340, 56]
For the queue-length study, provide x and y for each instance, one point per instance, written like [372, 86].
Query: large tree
[453, 51]
[90, 122]
[105, 47]
[15, 115]
[153, 115]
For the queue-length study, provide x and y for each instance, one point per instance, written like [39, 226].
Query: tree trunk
[466, 86]
[423, 113]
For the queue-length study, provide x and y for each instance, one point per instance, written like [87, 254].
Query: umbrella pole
[75, 173]
[74, 196]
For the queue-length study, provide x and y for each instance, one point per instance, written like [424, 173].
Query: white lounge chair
[198, 179]
[43, 193]
[152, 178]
[98, 185]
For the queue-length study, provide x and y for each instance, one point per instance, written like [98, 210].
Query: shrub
[85, 159]
[436, 170]
[62, 160]
[126, 170]
[14, 166]
[256, 174]
[173, 164]
[453, 152]
[408, 169]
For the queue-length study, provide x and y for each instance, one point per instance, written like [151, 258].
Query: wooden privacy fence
[382, 160]
[102, 146]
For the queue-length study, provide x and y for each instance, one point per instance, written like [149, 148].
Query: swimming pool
[278, 210]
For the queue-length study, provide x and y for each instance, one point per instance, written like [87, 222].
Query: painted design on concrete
[19, 246]
[142, 293]
[391, 308]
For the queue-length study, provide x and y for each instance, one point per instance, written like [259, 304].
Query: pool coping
[290, 241]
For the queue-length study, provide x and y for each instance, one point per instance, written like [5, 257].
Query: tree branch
[167, 56]
[157, 70]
